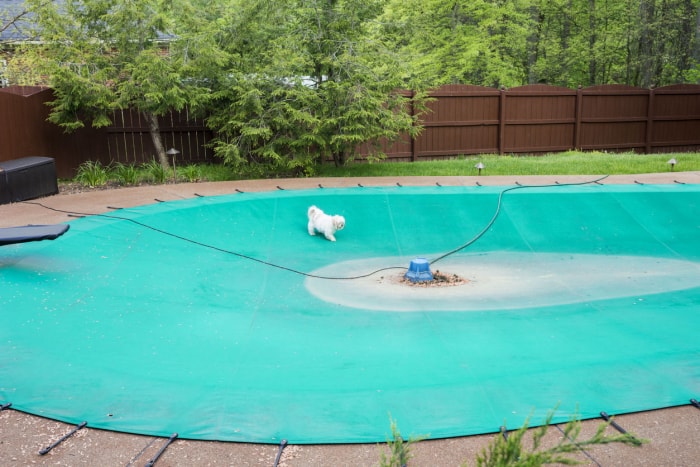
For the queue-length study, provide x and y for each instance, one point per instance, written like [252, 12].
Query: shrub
[92, 174]
[400, 450]
[511, 451]
[155, 171]
[191, 173]
[126, 174]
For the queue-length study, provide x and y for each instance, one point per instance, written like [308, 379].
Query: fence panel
[129, 139]
[538, 118]
[16, 121]
[462, 119]
[676, 118]
[24, 131]
[614, 117]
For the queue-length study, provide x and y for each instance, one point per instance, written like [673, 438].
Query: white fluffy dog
[323, 223]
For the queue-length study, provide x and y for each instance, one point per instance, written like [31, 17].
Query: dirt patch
[74, 188]
[440, 279]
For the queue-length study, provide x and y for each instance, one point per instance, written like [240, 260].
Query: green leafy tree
[560, 42]
[464, 41]
[581, 42]
[104, 55]
[666, 42]
[311, 82]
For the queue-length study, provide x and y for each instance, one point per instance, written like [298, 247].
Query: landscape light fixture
[672, 163]
[173, 152]
[479, 166]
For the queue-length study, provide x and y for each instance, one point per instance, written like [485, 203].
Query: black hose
[314, 276]
[498, 211]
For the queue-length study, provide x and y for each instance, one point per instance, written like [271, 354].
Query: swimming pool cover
[220, 318]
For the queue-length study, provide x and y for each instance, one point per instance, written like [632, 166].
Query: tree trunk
[629, 80]
[154, 130]
[339, 158]
[696, 47]
[646, 43]
[686, 37]
[592, 39]
[565, 65]
[533, 45]
[660, 51]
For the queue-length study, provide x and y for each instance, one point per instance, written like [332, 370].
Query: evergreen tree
[312, 82]
[104, 55]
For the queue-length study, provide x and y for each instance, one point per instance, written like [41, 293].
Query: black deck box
[27, 178]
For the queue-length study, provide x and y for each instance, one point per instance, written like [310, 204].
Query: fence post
[650, 121]
[502, 121]
[577, 119]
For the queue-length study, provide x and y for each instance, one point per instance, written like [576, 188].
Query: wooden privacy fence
[24, 131]
[535, 119]
[128, 139]
[463, 120]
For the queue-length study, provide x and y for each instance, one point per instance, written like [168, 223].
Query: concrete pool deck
[672, 433]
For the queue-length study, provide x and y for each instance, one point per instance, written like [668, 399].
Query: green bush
[400, 450]
[92, 174]
[510, 451]
[155, 172]
[125, 174]
[190, 173]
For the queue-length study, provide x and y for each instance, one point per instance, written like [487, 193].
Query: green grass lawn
[565, 163]
[94, 174]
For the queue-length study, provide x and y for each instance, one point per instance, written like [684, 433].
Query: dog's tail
[312, 211]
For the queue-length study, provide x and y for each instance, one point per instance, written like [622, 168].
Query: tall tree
[103, 55]
[463, 41]
[311, 82]
[562, 42]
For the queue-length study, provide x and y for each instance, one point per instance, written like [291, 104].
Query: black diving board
[31, 233]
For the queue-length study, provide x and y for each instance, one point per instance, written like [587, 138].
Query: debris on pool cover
[439, 280]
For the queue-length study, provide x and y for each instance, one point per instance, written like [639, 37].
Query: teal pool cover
[221, 318]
